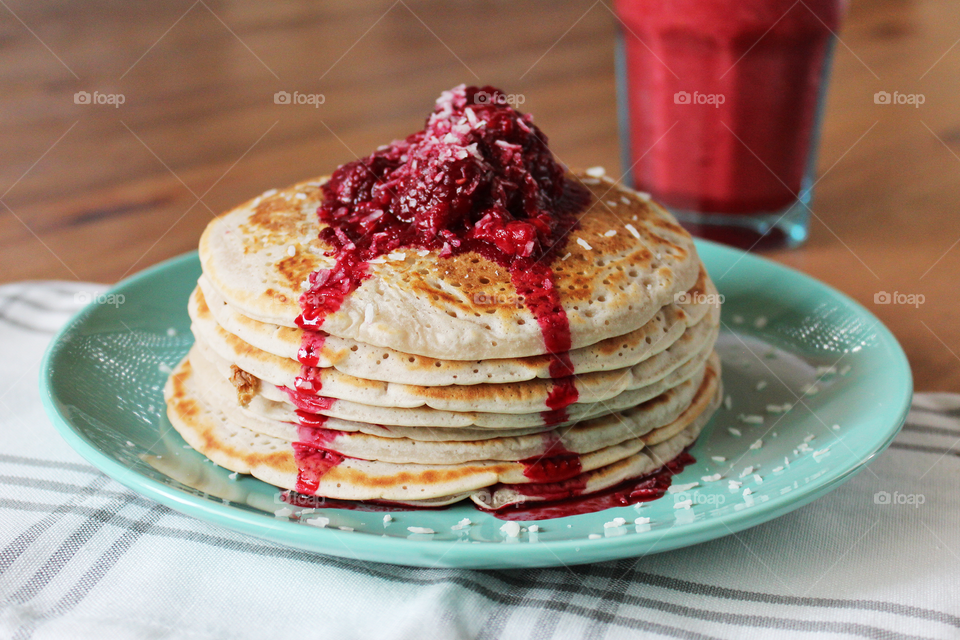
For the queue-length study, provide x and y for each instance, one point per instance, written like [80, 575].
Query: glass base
[786, 228]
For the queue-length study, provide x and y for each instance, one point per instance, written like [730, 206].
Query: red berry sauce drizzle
[556, 463]
[478, 178]
[563, 499]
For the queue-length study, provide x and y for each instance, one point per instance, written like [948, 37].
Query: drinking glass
[720, 110]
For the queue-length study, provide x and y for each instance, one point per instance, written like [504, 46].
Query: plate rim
[489, 554]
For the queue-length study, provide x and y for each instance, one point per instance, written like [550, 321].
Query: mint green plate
[103, 377]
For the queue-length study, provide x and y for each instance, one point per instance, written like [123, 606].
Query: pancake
[377, 363]
[519, 397]
[449, 308]
[269, 399]
[265, 411]
[276, 461]
[452, 446]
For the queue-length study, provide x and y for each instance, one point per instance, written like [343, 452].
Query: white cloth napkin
[83, 557]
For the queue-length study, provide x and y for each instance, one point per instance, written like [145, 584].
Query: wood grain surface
[98, 191]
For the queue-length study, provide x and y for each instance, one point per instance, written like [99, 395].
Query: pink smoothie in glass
[723, 100]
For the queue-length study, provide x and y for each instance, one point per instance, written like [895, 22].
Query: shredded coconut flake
[616, 522]
[510, 529]
[761, 385]
[683, 504]
[642, 520]
[757, 444]
[423, 530]
[566, 256]
[463, 524]
[319, 521]
[734, 431]
[712, 478]
[594, 536]
[718, 458]
[633, 231]
[680, 488]
[596, 172]
[610, 234]
[583, 243]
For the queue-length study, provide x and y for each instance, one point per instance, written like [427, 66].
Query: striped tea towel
[83, 557]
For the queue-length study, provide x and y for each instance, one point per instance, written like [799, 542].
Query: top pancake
[462, 307]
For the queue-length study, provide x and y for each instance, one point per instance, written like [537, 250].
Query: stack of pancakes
[432, 382]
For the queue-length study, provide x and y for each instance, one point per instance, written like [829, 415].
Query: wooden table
[96, 192]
